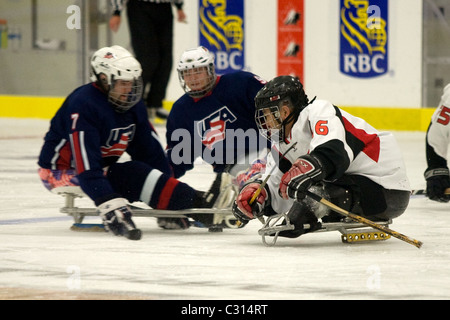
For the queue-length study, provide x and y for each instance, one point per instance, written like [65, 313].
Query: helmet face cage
[196, 72]
[200, 80]
[124, 94]
[280, 91]
[269, 122]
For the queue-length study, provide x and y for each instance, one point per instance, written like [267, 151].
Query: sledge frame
[347, 228]
[221, 215]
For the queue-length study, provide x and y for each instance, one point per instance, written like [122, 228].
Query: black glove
[239, 215]
[438, 180]
[116, 218]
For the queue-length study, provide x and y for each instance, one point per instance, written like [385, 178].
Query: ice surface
[40, 254]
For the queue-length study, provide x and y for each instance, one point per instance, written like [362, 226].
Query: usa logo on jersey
[118, 141]
[212, 128]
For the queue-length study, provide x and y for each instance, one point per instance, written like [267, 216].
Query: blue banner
[221, 24]
[364, 38]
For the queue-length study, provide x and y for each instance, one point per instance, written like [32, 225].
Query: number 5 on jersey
[444, 116]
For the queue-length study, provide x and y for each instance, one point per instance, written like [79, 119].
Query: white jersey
[438, 135]
[348, 144]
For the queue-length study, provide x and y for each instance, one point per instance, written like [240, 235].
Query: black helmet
[282, 90]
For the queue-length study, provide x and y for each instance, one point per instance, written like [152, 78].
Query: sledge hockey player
[214, 120]
[337, 156]
[215, 112]
[97, 123]
[437, 141]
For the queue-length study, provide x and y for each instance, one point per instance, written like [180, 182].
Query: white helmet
[110, 64]
[193, 62]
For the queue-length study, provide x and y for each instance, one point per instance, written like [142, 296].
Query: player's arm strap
[431, 173]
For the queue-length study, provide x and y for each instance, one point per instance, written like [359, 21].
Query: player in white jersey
[437, 141]
[335, 155]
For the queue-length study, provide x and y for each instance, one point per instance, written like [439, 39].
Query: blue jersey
[88, 135]
[219, 127]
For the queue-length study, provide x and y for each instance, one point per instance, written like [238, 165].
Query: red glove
[245, 211]
[303, 173]
[254, 172]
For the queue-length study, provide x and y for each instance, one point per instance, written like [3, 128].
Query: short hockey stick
[365, 221]
[268, 176]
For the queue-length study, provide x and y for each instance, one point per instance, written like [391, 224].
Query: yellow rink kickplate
[364, 236]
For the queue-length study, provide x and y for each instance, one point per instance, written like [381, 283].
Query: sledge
[221, 210]
[351, 231]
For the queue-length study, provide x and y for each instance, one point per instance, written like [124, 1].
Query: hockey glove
[116, 218]
[303, 173]
[242, 209]
[437, 181]
[254, 172]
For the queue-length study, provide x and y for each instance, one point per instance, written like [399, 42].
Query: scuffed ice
[43, 254]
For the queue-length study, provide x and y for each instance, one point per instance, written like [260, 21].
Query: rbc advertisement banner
[221, 24]
[364, 38]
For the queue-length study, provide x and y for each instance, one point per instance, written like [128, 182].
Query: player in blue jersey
[97, 123]
[215, 119]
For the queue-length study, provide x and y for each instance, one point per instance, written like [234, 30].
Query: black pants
[368, 198]
[151, 31]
